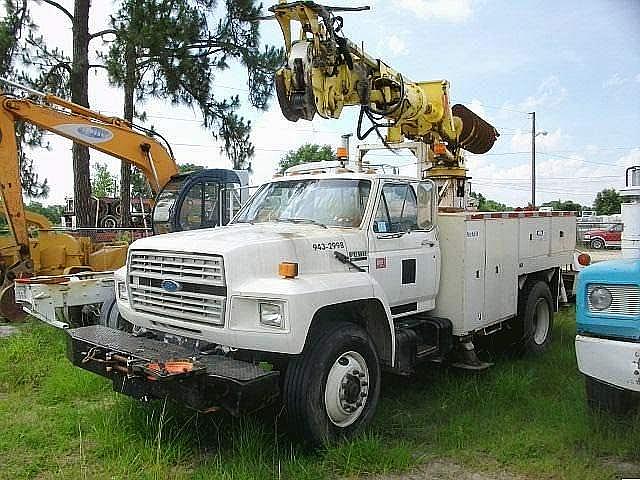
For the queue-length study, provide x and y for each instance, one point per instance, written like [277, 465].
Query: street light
[534, 134]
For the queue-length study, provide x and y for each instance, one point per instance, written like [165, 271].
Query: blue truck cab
[608, 318]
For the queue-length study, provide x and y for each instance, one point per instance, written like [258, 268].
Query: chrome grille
[626, 299]
[200, 299]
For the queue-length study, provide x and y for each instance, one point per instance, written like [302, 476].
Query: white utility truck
[330, 276]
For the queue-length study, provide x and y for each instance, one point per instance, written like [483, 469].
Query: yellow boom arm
[110, 135]
[326, 71]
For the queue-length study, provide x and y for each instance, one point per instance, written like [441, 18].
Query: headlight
[123, 294]
[271, 314]
[600, 298]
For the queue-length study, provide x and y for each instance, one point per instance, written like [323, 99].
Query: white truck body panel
[483, 256]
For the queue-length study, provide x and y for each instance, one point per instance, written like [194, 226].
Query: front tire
[331, 390]
[597, 244]
[608, 398]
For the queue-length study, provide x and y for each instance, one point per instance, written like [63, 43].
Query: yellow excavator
[184, 201]
[325, 72]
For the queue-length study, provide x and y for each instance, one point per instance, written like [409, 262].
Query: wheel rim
[597, 244]
[347, 389]
[541, 321]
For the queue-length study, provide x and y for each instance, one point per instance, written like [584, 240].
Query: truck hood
[253, 251]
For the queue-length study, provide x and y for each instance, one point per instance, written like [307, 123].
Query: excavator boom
[109, 135]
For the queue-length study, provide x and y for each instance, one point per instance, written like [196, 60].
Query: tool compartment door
[501, 283]
[474, 274]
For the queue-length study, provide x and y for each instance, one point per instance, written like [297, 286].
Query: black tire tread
[525, 343]
[295, 383]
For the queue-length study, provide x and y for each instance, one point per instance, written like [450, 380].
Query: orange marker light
[439, 148]
[341, 152]
[288, 269]
[584, 259]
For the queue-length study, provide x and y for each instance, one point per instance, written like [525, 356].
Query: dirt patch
[623, 469]
[447, 470]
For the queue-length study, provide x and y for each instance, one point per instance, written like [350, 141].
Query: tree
[51, 69]
[172, 50]
[52, 212]
[13, 26]
[305, 154]
[607, 202]
[103, 181]
[566, 206]
[487, 205]
[189, 167]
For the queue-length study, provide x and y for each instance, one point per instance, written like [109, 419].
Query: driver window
[191, 209]
[397, 210]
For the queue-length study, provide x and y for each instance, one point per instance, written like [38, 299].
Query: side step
[146, 368]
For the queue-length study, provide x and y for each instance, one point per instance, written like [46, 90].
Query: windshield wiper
[301, 220]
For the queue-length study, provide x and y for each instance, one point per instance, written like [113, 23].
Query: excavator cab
[199, 199]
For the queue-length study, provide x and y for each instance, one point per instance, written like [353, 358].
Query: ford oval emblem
[171, 286]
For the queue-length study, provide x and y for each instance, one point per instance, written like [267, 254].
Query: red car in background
[609, 237]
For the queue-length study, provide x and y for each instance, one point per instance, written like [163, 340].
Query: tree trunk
[80, 95]
[129, 112]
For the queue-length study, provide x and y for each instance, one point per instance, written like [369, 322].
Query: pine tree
[172, 50]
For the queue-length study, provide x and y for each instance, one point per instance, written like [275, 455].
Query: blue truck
[608, 317]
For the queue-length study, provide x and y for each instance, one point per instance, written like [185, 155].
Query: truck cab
[608, 316]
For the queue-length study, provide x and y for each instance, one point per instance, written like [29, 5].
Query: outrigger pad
[143, 367]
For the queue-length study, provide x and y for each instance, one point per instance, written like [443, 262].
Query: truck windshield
[338, 202]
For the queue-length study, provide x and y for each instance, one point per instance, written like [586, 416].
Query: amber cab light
[439, 148]
[584, 259]
[288, 269]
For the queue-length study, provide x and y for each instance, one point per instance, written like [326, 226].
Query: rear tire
[331, 390]
[535, 318]
[608, 398]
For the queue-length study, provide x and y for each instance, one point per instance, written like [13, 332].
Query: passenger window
[191, 210]
[397, 210]
[425, 205]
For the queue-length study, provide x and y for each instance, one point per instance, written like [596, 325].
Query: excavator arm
[110, 135]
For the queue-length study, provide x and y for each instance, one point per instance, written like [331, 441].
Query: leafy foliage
[16, 26]
[305, 154]
[189, 167]
[103, 181]
[179, 46]
[566, 206]
[607, 202]
[487, 205]
[52, 212]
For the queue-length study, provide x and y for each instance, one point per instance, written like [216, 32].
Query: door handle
[427, 243]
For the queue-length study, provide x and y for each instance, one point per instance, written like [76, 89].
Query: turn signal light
[288, 269]
[341, 152]
[584, 259]
[439, 148]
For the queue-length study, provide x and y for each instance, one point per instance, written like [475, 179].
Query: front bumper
[131, 363]
[611, 361]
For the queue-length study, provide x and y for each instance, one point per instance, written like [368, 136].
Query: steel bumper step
[147, 368]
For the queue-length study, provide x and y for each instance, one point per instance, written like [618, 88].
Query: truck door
[403, 247]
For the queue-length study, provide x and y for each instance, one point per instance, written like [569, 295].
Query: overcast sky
[576, 63]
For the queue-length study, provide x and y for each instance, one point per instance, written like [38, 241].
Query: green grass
[526, 416]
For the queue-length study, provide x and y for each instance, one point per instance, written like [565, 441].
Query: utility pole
[534, 134]
[533, 159]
